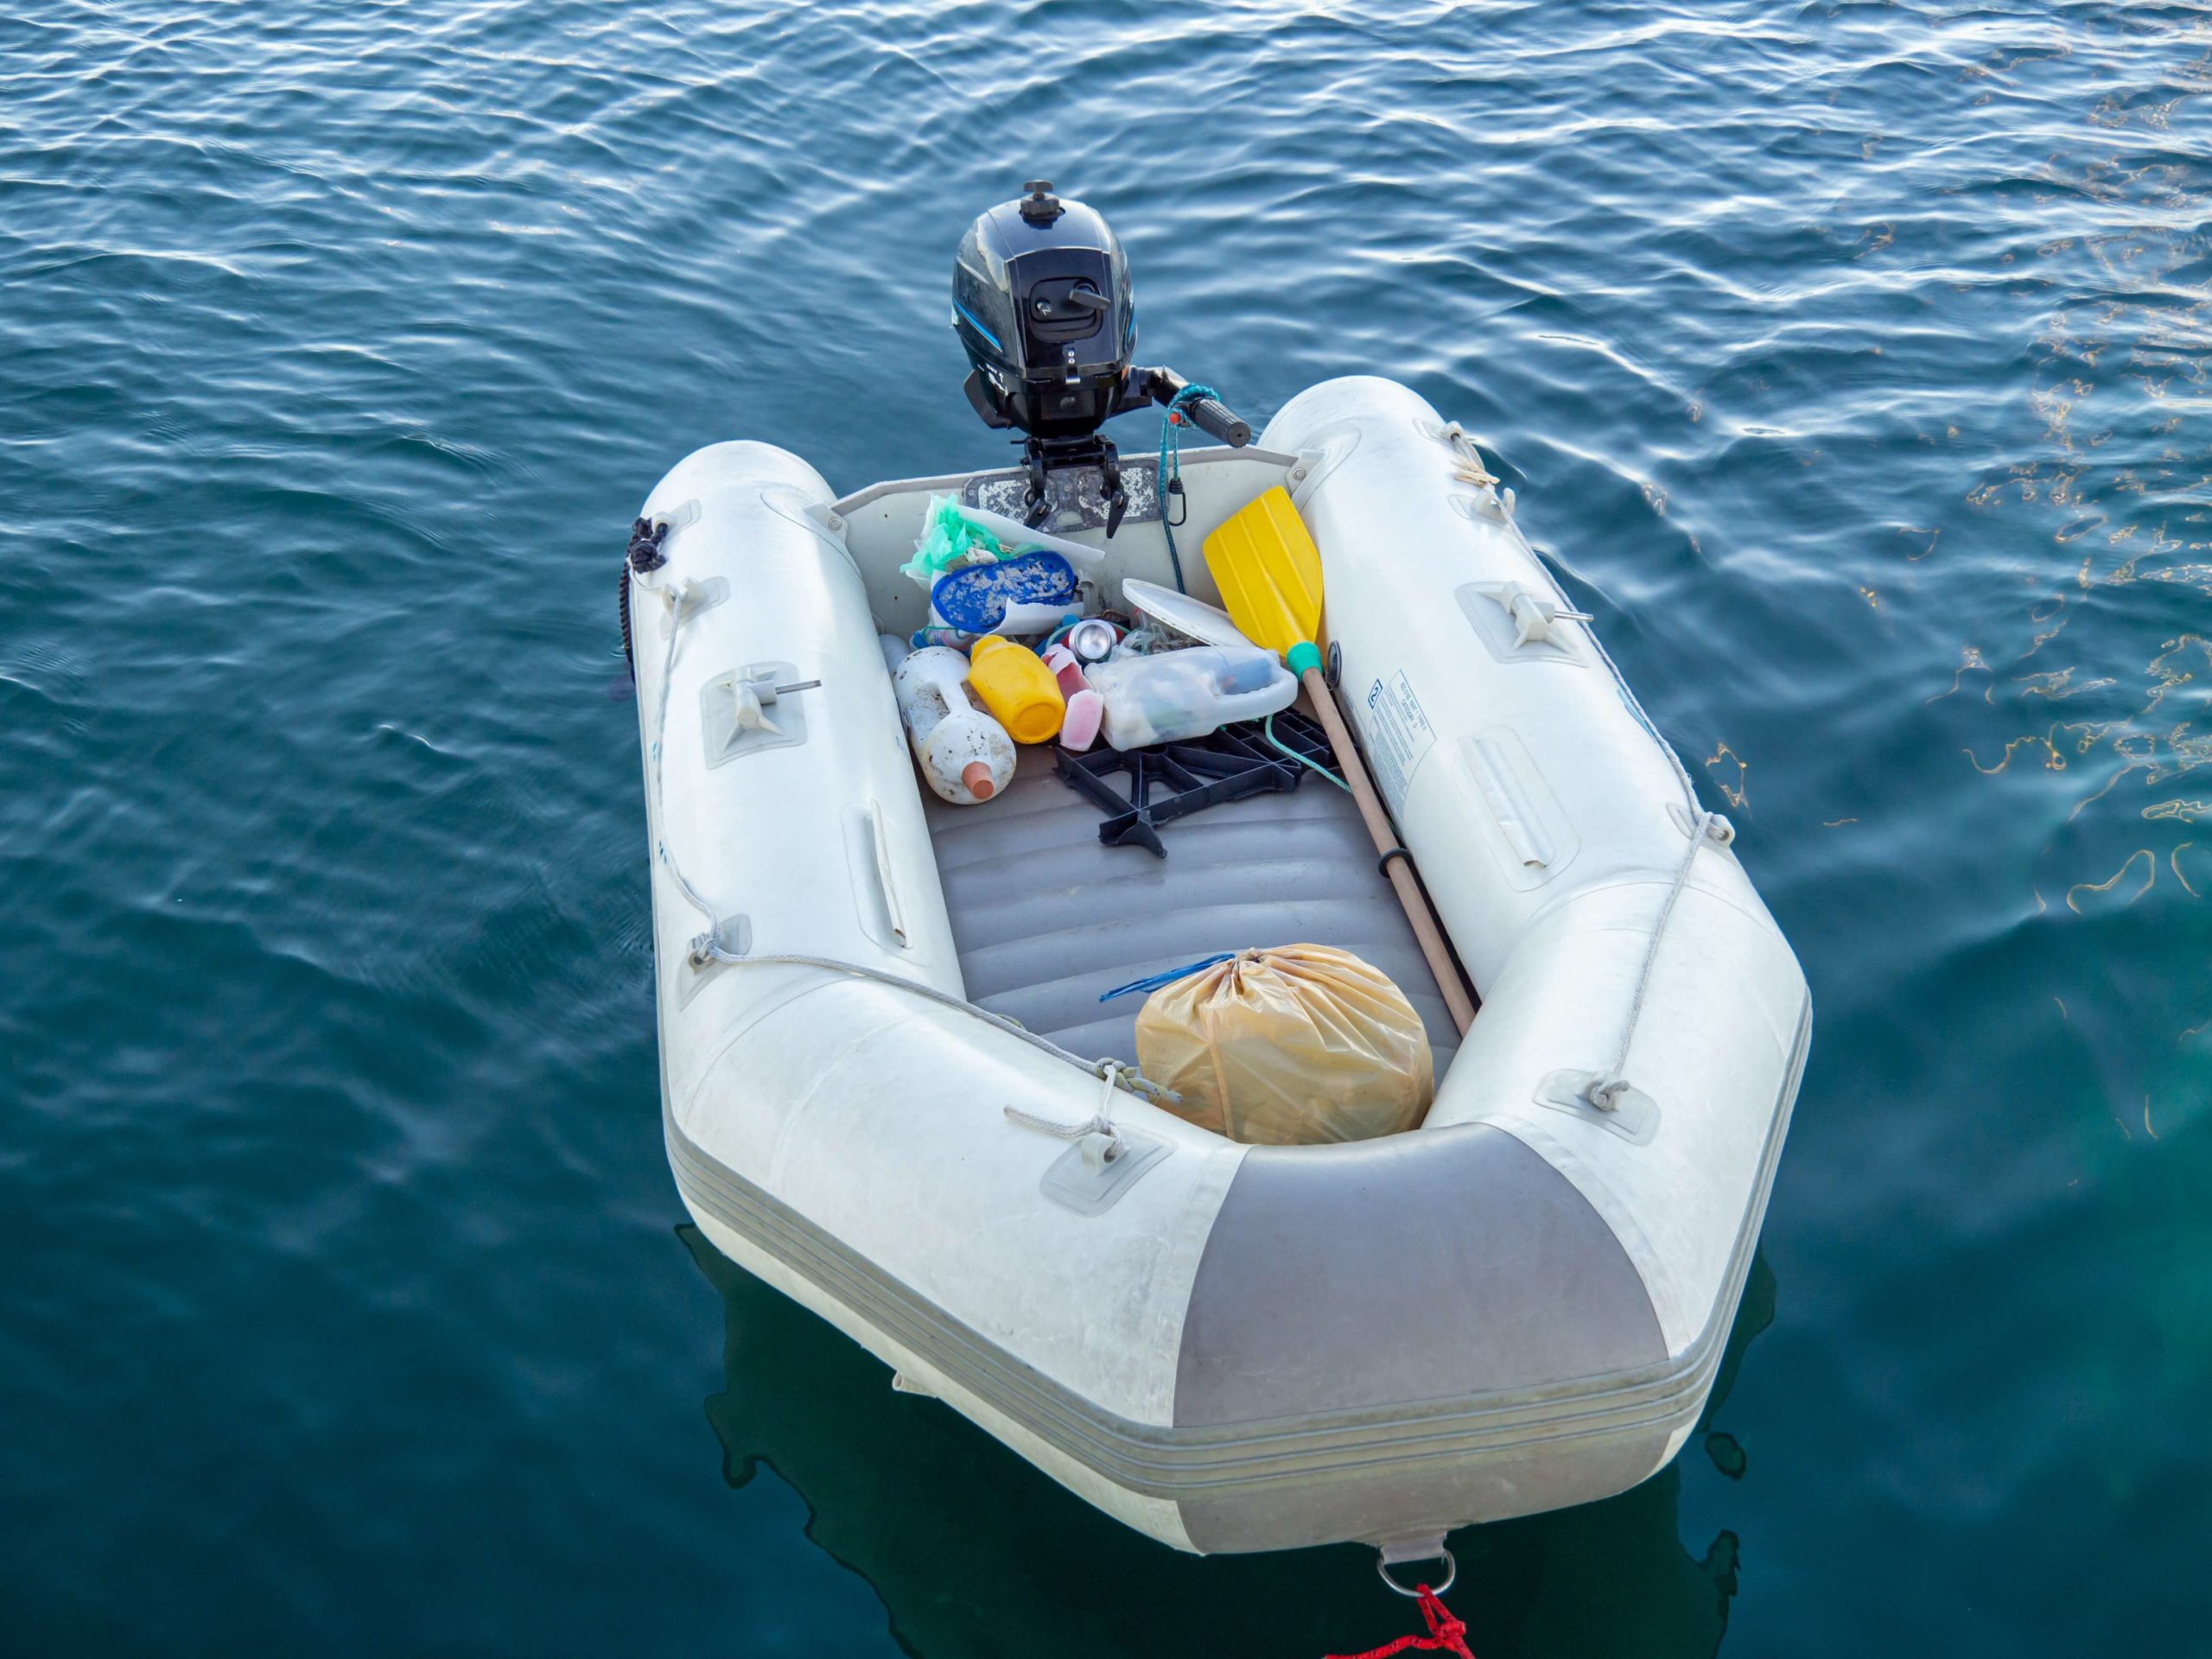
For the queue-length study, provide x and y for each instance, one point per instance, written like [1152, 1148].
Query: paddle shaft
[1425, 925]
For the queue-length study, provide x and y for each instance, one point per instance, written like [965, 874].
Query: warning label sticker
[1398, 735]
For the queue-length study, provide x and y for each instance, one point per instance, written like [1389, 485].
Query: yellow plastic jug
[1017, 688]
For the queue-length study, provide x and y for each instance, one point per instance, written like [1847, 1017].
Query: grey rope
[1099, 1124]
[1115, 1071]
[810, 527]
[1100, 1121]
[1681, 773]
[1620, 680]
[711, 941]
[1605, 1090]
[1469, 469]
[708, 947]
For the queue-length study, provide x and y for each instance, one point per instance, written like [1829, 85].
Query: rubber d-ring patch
[1382, 864]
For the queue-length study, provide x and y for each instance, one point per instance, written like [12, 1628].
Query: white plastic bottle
[1173, 696]
[965, 754]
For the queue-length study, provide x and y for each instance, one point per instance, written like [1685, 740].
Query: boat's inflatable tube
[1518, 1307]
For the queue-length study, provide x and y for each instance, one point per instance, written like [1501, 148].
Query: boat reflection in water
[975, 1553]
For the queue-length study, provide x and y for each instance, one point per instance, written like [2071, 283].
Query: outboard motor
[1042, 302]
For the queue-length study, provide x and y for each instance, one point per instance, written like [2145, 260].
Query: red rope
[1445, 1633]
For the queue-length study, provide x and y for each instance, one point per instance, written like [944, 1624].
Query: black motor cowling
[1042, 303]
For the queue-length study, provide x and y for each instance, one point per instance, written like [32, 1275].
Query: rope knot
[1449, 1629]
[644, 552]
[1605, 1093]
[1100, 1123]
[1446, 1632]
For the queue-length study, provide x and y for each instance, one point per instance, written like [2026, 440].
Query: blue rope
[1154, 981]
[1170, 447]
[1268, 727]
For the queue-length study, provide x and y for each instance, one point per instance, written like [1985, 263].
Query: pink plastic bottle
[1086, 709]
[1065, 669]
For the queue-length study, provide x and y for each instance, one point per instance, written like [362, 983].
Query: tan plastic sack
[1290, 1046]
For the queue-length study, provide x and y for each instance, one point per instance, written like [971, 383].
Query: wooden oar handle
[1427, 930]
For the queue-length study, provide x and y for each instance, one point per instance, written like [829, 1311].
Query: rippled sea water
[1852, 359]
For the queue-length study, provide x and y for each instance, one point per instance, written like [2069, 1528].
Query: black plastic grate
[1173, 780]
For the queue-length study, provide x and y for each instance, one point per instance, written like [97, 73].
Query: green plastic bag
[949, 537]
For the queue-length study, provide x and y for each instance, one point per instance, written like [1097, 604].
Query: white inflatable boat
[1519, 1305]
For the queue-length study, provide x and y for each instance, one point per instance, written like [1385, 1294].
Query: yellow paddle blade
[1269, 572]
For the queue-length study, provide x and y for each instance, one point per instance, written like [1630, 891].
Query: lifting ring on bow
[1451, 1572]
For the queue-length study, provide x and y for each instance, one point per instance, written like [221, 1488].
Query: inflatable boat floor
[1045, 917]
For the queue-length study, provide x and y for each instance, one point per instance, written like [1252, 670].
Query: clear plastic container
[1176, 695]
[965, 755]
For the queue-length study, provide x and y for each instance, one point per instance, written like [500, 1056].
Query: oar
[1269, 573]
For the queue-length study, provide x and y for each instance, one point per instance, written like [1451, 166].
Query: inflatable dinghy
[1519, 1305]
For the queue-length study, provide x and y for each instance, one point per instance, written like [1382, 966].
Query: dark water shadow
[975, 1553]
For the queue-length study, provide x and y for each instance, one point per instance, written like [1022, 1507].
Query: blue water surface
[1852, 359]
